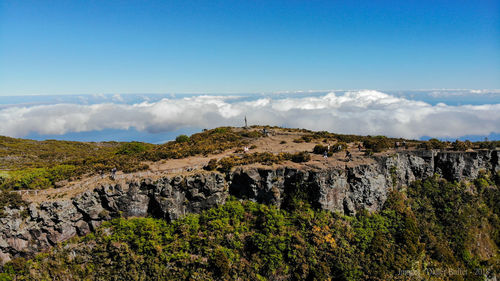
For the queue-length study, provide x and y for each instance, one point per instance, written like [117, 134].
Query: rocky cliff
[345, 190]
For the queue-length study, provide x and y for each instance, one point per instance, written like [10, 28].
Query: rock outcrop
[27, 231]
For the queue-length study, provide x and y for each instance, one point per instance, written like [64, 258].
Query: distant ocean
[157, 118]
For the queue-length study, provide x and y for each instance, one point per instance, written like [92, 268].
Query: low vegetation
[28, 164]
[437, 229]
[204, 143]
[10, 200]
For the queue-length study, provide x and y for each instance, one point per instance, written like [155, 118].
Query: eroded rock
[24, 232]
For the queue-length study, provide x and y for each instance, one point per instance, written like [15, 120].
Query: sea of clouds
[366, 112]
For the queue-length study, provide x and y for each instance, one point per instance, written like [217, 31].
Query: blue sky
[92, 47]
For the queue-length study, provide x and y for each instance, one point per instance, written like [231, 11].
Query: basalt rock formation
[24, 232]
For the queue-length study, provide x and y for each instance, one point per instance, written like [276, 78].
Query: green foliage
[32, 164]
[11, 200]
[252, 134]
[41, 164]
[29, 164]
[212, 165]
[434, 224]
[486, 144]
[377, 143]
[320, 149]
[300, 157]
[133, 148]
[461, 145]
[307, 138]
[432, 144]
[339, 146]
[206, 142]
[37, 178]
[181, 139]
[27, 179]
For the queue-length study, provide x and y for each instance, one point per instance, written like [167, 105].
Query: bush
[319, 149]
[377, 143]
[307, 138]
[488, 144]
[181, 139]
[212, 165]
[252, 134]
[339, 146]
[132, 148]
[210, 141]
[461, 146]
[11, 200]
[432, 144]
[28, 179]
[300, 157]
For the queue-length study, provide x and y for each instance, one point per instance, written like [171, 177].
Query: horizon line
[263, 92]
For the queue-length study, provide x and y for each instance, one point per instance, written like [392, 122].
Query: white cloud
[117, 98]
[356, 112]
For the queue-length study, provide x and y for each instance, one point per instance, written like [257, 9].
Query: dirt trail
[274, 143]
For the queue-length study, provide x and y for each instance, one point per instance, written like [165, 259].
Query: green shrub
[212, 165]
[301, 157]
[487, 144]
[461, 146]
[132, 148]
[28, 179]
[61, 172]
[377, 143]
[307, 138]
[181, 139]
[339, 146]
[319, 149]
[432, 144]
[252, 134]
[11, 200]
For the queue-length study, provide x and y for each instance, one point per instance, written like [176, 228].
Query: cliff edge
[346, 190]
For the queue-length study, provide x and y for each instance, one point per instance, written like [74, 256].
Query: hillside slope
[284, 169]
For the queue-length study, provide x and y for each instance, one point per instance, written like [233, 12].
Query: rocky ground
[170, 189]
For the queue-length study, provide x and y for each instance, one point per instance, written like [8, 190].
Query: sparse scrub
[212, 165]
[11, 200]
[432, 144]
[461, 145]
[29, 164]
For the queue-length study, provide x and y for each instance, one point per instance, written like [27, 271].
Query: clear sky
[89, 47]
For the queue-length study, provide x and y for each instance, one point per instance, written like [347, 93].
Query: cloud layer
[359, 112]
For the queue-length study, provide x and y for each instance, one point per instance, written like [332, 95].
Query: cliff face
[346, 190]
